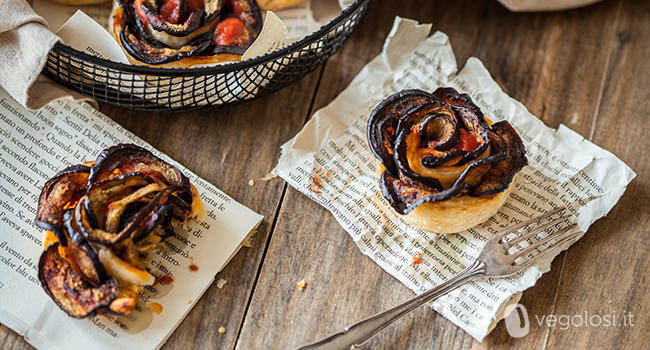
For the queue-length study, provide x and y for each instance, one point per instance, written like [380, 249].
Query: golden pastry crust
[80, 2]
[273, 5]
[442, 166]
[456, 214]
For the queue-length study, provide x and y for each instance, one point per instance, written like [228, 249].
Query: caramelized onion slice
[74, 295]
[124, 271]
[147, 52]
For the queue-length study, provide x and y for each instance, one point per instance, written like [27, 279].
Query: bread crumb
[268, 177]
[247, 242]
[222, 330]
[302, 284]
[221, 282]
[251, 182]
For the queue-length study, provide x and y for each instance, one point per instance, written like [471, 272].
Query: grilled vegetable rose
[101, 221]
[186, 32]
[442, 165]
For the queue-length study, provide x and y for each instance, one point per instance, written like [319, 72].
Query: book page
[330, 161]
[35, 145]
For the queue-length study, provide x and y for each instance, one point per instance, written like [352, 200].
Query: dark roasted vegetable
[74, 295]
[106, 219]
[63, 189]
[435, 147]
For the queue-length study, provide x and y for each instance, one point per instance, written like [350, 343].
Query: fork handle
[357, 334]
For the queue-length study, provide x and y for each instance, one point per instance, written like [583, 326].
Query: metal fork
[501, 256]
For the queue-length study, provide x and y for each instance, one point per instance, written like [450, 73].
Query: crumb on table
[302, 284]
[222, 330]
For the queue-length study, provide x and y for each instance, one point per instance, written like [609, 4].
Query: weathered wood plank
[228, 147]
[606, 274]
[11, 340]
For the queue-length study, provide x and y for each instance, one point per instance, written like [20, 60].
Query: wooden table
[586, 68]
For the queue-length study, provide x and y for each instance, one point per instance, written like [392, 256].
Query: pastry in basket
[183, 33]
[443, 166]
[102, 219]
[274, 5]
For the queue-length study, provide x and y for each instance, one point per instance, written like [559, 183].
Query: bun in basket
[443, 167]
[274, 5]
[184, 33]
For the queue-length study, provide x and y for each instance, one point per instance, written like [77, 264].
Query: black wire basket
[193, 89]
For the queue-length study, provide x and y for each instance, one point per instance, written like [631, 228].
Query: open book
[35, 145]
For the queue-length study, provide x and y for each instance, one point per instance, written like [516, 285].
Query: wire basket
[193, 89]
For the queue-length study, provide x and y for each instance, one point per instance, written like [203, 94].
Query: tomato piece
[229, 32]
[170, 11]
[467, 141]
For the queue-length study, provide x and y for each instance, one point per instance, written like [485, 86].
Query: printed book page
[34, 146]
[330, 161]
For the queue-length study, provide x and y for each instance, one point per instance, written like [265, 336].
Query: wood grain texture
[586, 68]
[228, 147]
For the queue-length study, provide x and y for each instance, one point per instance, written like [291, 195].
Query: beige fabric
[25, 41]
[544, 5]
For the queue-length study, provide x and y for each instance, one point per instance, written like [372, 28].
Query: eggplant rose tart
[443, 166]
[182, 33]
[102, 219]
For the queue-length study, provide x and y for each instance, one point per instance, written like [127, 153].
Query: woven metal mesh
[192, 89]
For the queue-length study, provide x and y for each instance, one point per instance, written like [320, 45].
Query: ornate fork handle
[357, 334]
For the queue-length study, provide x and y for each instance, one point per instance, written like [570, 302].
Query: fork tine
[546, 239]
[533, 232]
[554, 247]
[512, 229]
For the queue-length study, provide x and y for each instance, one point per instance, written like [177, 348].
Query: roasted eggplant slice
[82, 254]
[108, 217]
[73, 294]
[64, 189]
[129, 158]
[437, 147]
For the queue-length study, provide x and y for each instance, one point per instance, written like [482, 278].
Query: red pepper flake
[316, 185]
[416, 259]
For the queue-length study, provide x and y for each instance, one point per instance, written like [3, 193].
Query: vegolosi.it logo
[514, 321]
[518, 323]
